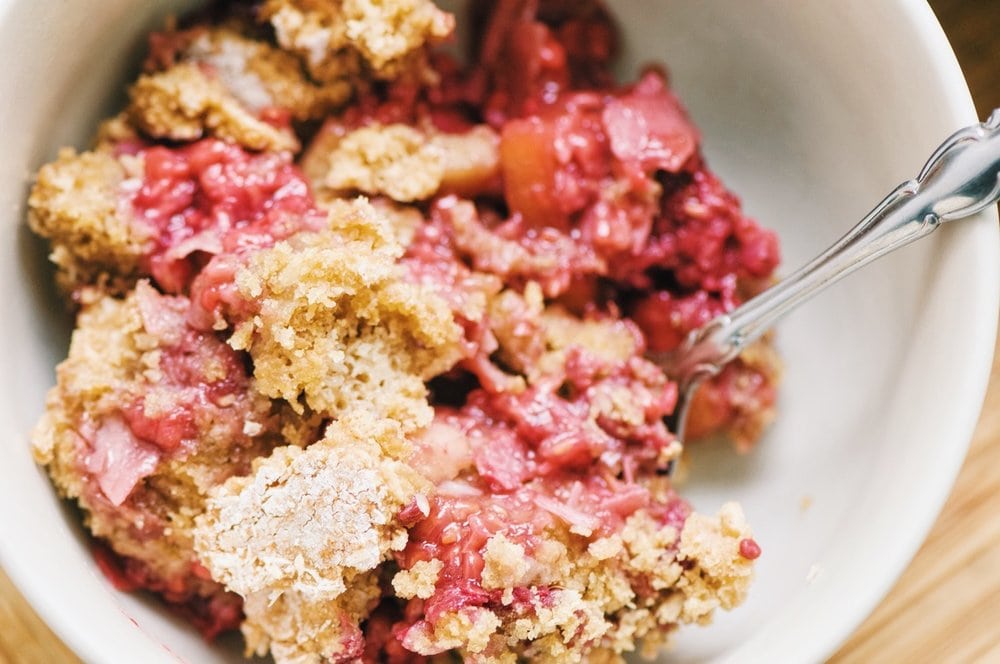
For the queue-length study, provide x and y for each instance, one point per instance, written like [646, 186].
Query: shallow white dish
[812, 112]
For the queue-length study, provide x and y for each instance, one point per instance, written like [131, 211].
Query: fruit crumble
[359, 366]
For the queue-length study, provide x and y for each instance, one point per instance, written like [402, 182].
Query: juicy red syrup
[212, 197]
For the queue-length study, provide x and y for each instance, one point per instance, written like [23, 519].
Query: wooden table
[946, 606]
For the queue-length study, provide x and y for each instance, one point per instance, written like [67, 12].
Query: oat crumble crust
[335, 322]
[218, 82]
[395, 160]
[295, 631]
[401, 162]
[184, 103]
[262, 76]
[75, 204]
[534, 338]
[340, 39]
[297, 536]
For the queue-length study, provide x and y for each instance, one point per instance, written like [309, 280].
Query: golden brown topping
[535, 338]
[261, 76]
[418, 581]
[296, 631]
[395, 160]
[333, 37]
[76, 204]
[338, 329]
[184, 103]
[401, 162]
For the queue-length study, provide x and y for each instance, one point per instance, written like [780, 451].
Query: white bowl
[812, 111]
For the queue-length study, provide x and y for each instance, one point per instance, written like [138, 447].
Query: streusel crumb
[261, 76]
[402, 162]
[305, 516]
[721, 576]
[184, 103]
[336, 323]
[135, 366]
[534, 338]
[418, 581]
[395, 160]
[333, 37]
[296, 631]
[75, 204]
[218, 81]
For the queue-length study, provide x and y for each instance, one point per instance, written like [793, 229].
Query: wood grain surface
[946, 606]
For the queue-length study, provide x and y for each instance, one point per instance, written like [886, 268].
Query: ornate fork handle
[961, 178]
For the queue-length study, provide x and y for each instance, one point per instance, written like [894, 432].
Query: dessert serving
[358, 366]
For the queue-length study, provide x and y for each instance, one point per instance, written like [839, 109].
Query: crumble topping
[504, 564]
[304, 517]
[335, 329]
[334, 37]
[261, 76]
[401, 162]
[394, 160]
[184, 103]
[75, 205]
[298, 631]
[534, 339]
[217, 81]
[418, 581]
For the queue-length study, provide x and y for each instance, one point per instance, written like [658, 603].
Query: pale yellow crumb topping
[219, 82]
[76, 204]
[337, 322]
[535, 338]
[295, 630]
[184, 103]
[262, 76]
[395, 160]
[401, 162]
[418, 581]
[335, 38]
[305, 516]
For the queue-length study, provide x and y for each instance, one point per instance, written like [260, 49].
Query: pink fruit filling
[524, 464]
[598, 209]
[211, 197]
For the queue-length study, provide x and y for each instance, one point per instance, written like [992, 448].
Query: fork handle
[961, 178]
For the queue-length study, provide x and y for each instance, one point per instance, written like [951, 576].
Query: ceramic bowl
[811, 111]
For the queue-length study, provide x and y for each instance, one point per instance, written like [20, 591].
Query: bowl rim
[957, 103]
